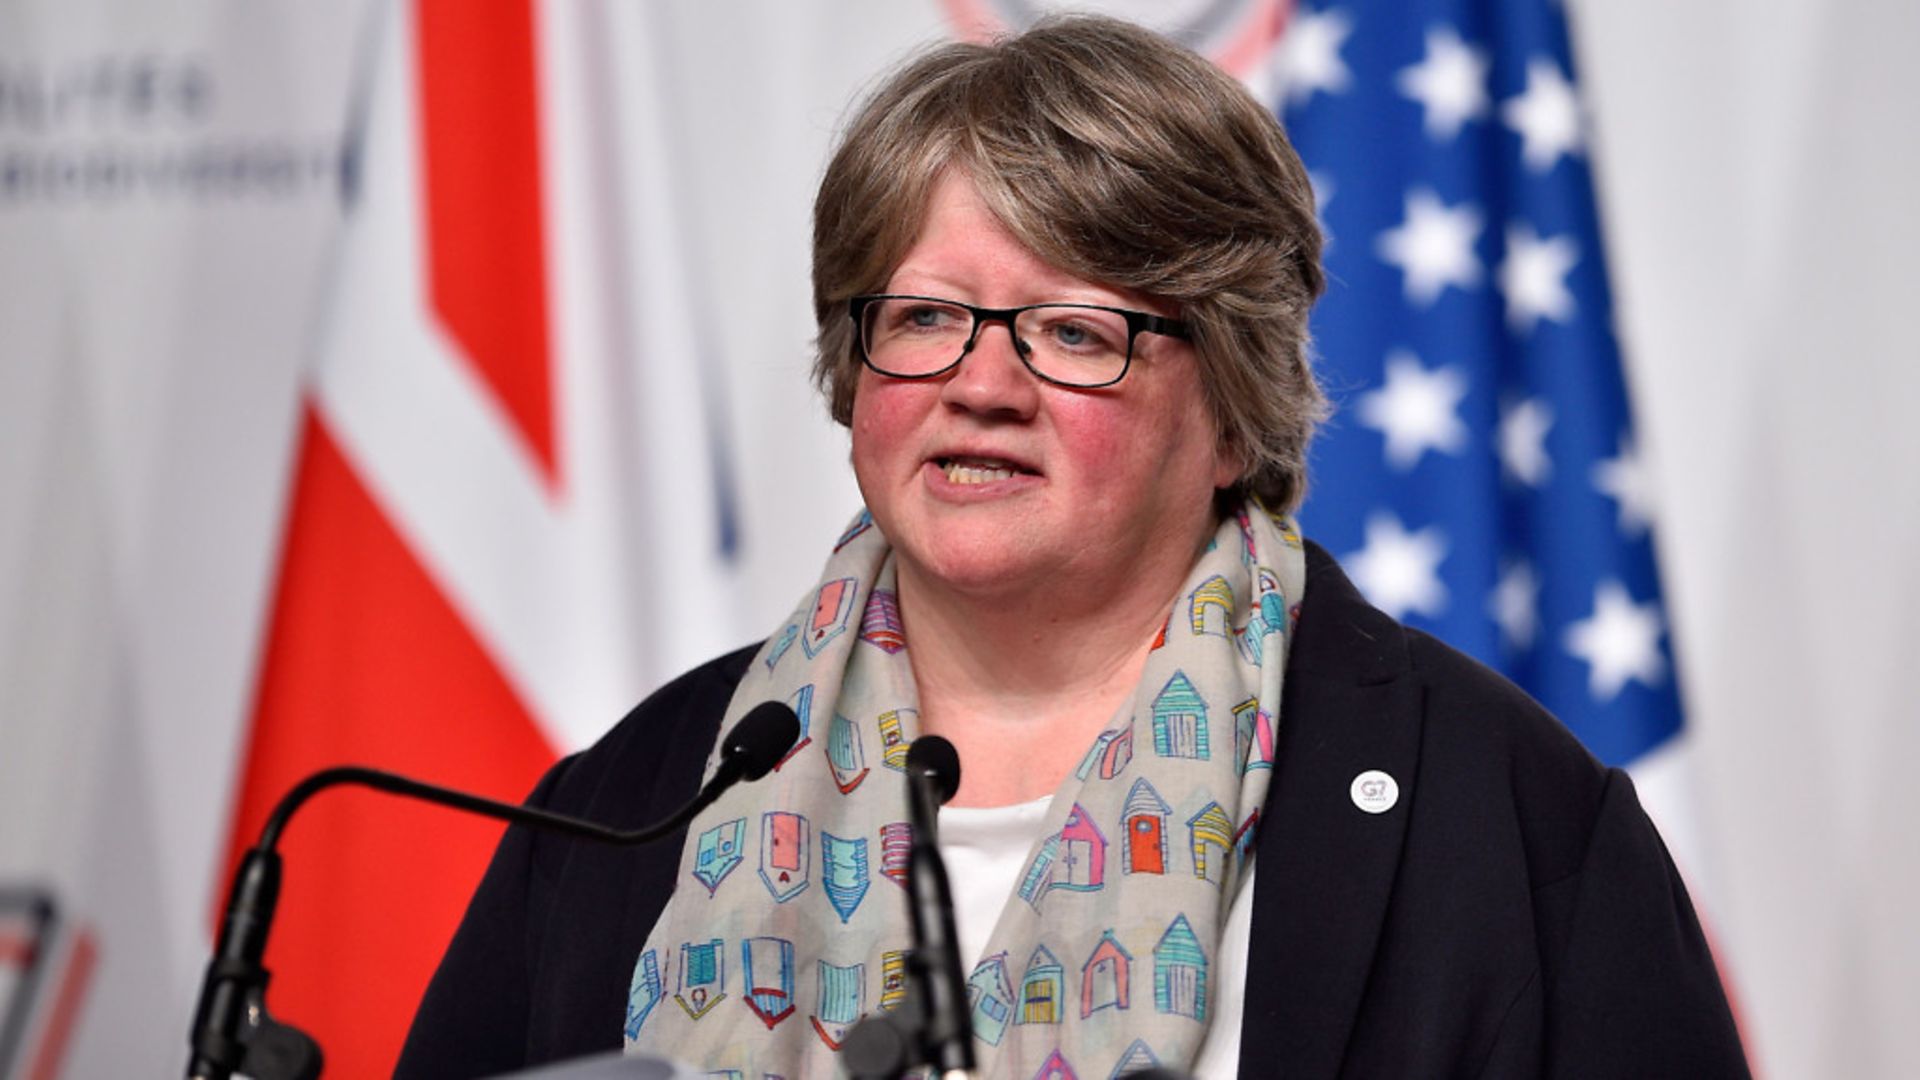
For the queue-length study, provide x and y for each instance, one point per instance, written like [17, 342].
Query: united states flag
[1480, 479]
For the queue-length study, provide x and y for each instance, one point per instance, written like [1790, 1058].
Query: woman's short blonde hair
[1122, 158]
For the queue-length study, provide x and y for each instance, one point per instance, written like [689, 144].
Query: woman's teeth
[965, 472]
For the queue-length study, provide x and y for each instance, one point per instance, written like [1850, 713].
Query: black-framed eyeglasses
[1079, 345]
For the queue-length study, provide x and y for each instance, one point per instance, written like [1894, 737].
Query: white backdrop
[1756, 164]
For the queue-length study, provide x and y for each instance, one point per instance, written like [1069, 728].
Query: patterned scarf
[1104, 958]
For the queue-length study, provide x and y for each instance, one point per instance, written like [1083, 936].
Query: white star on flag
[1523, 440]
[1546, 115]
[1310, 54]
[1624, 478]
[1433, 246]
[1416, 410]
[1450, 83]
[1515, 603]
[1400, 571]
[1533, 277]
[1619, 641]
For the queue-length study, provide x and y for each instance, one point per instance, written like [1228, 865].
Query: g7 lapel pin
[1374, 791]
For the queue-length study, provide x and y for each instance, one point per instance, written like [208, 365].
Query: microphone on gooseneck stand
[934, 1027]
[232, 1031]
[933, 776]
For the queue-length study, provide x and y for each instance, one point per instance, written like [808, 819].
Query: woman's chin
[988, 569]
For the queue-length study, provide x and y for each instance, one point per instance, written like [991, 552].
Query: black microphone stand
[232, 1030]
[934, 1026]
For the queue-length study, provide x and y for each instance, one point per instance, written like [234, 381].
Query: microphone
[937, 1027]
[934, 759]
[232, 1030]
[933, 776]
[760, 739]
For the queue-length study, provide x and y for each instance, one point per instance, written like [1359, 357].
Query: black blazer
[1514, 913]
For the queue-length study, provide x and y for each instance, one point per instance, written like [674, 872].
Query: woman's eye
[1078, 335]
[925, 317]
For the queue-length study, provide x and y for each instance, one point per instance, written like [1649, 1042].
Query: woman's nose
[991, 378]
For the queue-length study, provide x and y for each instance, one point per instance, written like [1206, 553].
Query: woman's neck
[1020, 682]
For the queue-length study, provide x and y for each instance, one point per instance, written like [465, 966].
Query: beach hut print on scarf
[1210, 607]
[846, 754]
[1038, 878]
[990, 997]
[893, 743]
[1075, 858]
[781, 644]
[893, 979]
[1106, 977]
[767, 965]
[1212, 836]
[1056, 1068]
[1083, 858]
[1180, 720]
[1244, 837]
[1145, 817]
[832, 610]
[861, 522]
[845, 871]
[896, 844]
[784, 866]
[1269, 617]
[1252, 736]
[880, 626]
[644, 993]
[1041, 989]
[802, 705]
[843, 1001]
[1111, 753]
[1137, 1058]
[703, 976]
[1180, 972]
[717, 852]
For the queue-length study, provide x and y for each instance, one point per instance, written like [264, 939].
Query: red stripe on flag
[1254, 42]
[16, 951]
[367, 662]
[486, 247]
[66, 1008]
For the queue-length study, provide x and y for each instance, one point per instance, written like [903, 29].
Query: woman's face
[988, 479]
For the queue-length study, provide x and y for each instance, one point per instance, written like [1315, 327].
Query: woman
[1062, 285]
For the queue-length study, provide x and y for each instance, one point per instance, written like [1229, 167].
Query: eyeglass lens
[1078, 346]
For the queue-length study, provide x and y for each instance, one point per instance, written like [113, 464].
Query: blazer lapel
[1326, 866]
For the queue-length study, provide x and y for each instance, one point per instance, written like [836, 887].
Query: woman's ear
[1229, 466]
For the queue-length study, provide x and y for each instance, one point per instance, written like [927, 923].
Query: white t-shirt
[986, 848]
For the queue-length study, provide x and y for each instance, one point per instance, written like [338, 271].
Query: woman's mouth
[974, 470]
